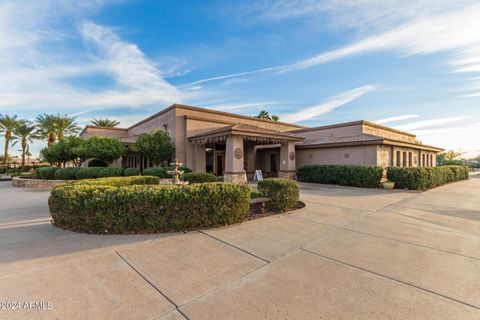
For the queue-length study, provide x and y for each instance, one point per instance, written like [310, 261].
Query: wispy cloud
[396, 118]
[429, 123]
[445, 27]
[329, 105]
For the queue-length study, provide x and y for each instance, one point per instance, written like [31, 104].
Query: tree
[103, 148]
[266, 116]
[65, 125]
[63, 151]
[7, 126]
[452, 155]
[47, 128]
[25, 132]
[156, 146]
[105, 122]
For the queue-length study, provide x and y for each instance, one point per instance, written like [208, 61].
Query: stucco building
[234, 146]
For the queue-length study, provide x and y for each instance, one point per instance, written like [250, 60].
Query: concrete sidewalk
[350, 253]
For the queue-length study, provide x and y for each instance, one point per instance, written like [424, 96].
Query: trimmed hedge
[426, 178]
[355, 176]
[199, 177]
[47, 173]
[161, 172]
[131, 172]
[283, 193]
[119, 181]
[98, 172]
[66, 173]
[103, 208]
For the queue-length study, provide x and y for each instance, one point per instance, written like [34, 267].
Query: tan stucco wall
[343, 131]
[354, 155]
[386, 133]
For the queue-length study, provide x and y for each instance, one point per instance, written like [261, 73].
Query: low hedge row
[426, 178]
[162, 172]
[118, 181]
[283, 193]
[355, 176]
[108, 208]
[199, 177]
[79, 173]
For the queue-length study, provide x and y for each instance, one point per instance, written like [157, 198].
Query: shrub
[66, 173]
[97, 163]
[110, 172]
[101, 208]
[131, 172]
[119, 181]
[88, 173]
[425, 178]
[356, 176]
[283, 193]
[3, 170]
[254, 193]
[162, 172]
[47, 173]
[199, 177]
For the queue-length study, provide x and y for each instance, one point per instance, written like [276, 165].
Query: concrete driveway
[349, 254]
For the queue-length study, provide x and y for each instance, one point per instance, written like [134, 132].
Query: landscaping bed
[138, 204]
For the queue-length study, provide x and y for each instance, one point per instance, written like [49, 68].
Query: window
[346, 155]
[409, 159]
[423, 159]
[398, 158]
[404, 160]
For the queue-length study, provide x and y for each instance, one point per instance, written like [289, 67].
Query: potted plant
[388, 185]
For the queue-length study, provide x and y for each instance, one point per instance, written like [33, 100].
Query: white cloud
[329, 105]
[429, 123]
[396, 118]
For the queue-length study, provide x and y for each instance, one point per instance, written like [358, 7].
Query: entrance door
[273, 165]
[219, 164]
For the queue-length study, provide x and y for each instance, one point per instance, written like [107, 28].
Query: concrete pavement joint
[151, 284]
[390, 278]
[233, 246]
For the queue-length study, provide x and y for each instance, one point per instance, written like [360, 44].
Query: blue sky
[413, 65]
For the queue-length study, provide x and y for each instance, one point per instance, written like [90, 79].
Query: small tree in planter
[103, 148]
[156, 146]
[63, 151]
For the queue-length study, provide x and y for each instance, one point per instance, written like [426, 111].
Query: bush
[426, 178]
[97, 163]
[199, 177]
[47, 173]
[104, 208]
[3, 170]
[131, 172]
[98, 172]
[283, 193]
[355, 176]
[254, 193]
[119, 181]
[110, 172]
[66, 173]
[162, 172]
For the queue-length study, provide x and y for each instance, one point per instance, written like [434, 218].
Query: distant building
[234, 146]
[16, 162]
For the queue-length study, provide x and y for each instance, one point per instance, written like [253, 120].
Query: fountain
[176, 173]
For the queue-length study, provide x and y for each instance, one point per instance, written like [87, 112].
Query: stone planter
[36, 183]
[5, 177]
[388, 185]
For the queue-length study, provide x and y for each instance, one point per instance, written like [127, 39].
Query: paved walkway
[349, 254]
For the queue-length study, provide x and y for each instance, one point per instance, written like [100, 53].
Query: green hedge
[105, 208]
[47, 172]
[425, 178]
[199, 177]
[283, 193]
[118, 181]
[355, 176]
[131, 172]
[161, 172]
[98, 172]
[66, 173]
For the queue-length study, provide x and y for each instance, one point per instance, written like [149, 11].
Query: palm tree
[7, 126]
[266, 116]
[47, 128]
[25, 132]
[65, 125]
[105, 122]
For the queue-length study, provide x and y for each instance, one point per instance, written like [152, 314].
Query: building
[234, 146]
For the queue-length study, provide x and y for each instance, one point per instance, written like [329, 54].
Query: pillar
[234, 171]
[251, 160]
[287, 161]
[200, 158]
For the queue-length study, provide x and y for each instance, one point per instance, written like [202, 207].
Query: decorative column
[251, 157]
[200, 158]
[234, 171]
[287, 161]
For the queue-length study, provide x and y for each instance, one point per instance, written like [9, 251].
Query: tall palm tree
[25, 132]
[7, 126]
[105, 122]
[47, 128]
[65, 125]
